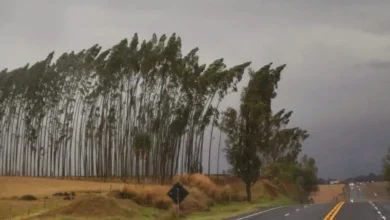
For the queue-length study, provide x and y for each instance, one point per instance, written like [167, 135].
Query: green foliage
[142, 143]
[248, 130]
[284, 144]
[255, 135]
[386, 168]
[82, 114]
[302, 174]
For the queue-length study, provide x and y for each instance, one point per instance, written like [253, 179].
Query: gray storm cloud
[337, 55]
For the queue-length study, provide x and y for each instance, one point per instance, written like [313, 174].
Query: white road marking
[379, 212]
[287, 214]
[297, 210]
[305, 206]
[258, 213]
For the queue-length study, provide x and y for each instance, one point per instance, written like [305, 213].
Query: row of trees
[139, 108]
[257, 137]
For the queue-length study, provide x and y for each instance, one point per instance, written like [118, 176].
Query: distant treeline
[362, 178]
[368, 178]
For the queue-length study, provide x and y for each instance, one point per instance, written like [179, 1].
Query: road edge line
[258, 213]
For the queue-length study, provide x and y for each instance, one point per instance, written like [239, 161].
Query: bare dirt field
[376, 191]
[329, 193]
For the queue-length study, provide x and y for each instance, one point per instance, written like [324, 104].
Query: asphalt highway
[358, 206]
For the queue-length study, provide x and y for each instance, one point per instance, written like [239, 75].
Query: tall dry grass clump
[270, 188]
[182, 179]
[220, 194]
[155, 196]
[203, 194]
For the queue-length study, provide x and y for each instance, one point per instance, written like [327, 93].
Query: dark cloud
[384, 65]
[350, 149]
[337, 56]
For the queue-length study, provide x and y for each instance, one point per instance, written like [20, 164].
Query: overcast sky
[337, 79]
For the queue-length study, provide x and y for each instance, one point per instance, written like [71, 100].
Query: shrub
[270, 188]
[197, 200]
[182, 179]
[147, 196]
[212, 190]
[117, 194]
[58, 194]
[129, 192]
[28, 198]
[203, 194]
[162, 202]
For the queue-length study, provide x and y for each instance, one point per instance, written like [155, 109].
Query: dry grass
[328, 193]
[89, 206]
[376, 191]
[203, 194]
[18, 186]
[145, 201]
[13, 208]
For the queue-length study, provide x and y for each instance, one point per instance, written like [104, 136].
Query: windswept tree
[247, 130]
[142, 145]
[306, 178]
[284, 144]
[386, 168]
[303, 174]
[139, 108]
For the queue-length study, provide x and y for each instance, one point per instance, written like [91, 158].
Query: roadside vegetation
[386, 169]
[208, 198]
[142, 113]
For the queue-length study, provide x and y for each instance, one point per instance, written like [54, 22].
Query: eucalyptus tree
[80, 114]
[142, 145]
[219, 152]
[284, 143]
[247, 130]
[223, 83]
[386, 168]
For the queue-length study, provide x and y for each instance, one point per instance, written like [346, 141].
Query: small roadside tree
[386, 168]
[306, 178]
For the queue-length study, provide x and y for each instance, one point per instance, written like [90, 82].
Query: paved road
[358, 206]
[294, 212]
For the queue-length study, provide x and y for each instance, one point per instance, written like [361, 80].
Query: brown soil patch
[18, 186]
[328, 193]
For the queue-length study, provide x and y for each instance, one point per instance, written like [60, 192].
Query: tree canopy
[141, 108]
[386, 168]
[91, 112]
[255, 135]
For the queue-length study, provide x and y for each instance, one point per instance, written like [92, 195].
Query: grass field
[18, 186]
[329, 193]
[377, 191]
[208, 199]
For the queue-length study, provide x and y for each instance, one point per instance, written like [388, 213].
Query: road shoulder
[254, 213]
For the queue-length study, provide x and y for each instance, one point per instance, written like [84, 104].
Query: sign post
[177, 193]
